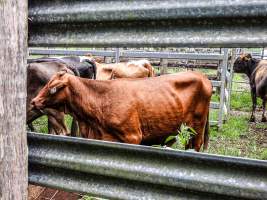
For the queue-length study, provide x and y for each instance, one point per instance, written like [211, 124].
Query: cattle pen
[223, 82]
[114, 170]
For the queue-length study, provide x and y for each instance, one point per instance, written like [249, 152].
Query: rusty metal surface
[123, 171]
[135, 23]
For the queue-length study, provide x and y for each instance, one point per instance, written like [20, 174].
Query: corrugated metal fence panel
[135, 23]
[124, 171]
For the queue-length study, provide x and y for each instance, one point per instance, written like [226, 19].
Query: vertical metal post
[230, 81]
[107, 59]
[117, 55]
[164, 66]
[262, 53]
[222, 88]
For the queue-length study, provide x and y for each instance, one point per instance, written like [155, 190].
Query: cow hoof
[263, 119]
[252, 119]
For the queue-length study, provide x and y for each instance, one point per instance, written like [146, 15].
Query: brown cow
[137, 111]
[39, 72]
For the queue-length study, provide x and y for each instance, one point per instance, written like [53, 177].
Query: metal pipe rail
[130, 54]
[124, 171]
[136, 23]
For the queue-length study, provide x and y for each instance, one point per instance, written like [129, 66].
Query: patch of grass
[235, 126]
[213, 115]
[40, 124]
[241, 101]
[261, 126]
[215, 98]
[68, 121]
[208, 72]
[263, 155]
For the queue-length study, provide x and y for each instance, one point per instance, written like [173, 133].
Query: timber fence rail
[124, 171]
[117, 54]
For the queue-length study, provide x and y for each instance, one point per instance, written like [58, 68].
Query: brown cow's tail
[206, 134]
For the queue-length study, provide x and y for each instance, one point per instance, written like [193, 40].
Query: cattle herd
[126, 102]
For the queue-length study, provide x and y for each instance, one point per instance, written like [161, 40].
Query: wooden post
[13, 137]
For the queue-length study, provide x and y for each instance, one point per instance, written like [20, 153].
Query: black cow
[256, 70]
[39, 72]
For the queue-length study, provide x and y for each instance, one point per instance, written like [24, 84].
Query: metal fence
[137, 23]
[127, 171]
[222, 58]
[123, 171]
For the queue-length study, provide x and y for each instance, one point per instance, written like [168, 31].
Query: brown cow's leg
[56, 123]
[263, 119]
[254, 103]
[75, 129]
[56, 126]
[31, 127]
[198, 139]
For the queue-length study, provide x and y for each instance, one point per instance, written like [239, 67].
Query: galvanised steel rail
[123, 171]
[108, 53]
[139, 23]
[129, 54]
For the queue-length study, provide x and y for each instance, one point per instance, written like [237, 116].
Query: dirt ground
[256, 129]
[250, 144]
[42, 193]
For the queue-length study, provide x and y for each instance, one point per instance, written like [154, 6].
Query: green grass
[236, 139]
[215, 98]
[41, 124]
[261, 126]
[241, 101]
[263, 155]
[235, 126]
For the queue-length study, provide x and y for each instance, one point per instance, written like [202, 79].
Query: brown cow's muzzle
[37, 103]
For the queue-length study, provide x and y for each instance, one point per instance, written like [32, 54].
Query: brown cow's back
[165, 102]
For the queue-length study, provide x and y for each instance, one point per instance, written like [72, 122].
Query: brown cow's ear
[247, 57]
[62, 72]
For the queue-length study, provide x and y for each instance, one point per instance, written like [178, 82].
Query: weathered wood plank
[13, 144]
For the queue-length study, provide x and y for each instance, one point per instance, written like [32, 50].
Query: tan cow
[136, 111]
[132, 69]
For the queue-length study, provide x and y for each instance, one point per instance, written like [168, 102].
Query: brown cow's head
[54, 93]
[242, 63]
[245, 64]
